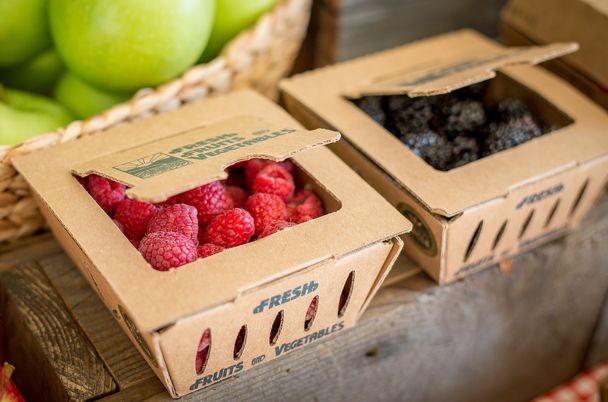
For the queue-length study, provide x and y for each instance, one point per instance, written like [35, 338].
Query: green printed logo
[421, 233]
[152, 165]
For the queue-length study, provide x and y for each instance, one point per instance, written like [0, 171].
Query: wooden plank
[97, 322]
[494, 336]
[27, 250]
[54, 360]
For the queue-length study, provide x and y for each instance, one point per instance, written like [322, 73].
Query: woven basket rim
[138, 102]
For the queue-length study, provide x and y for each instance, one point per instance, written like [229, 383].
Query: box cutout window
[579, 197]
[258, 199]
[347, 290]
[277, 325]
[239, 342]
[552, 213]
[451, 130]
[311, 313]
[202, 352]
[499, 234]
[473, 241]
[526, 224]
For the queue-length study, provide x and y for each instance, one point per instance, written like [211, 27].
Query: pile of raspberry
[260, 197]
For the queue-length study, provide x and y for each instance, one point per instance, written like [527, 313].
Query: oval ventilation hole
[311, 313]
[579, 197]
[526, 224]
[473, 241]
[202, 352]
[552, 213]
[239, 342]
[346, 292]
[277, 325]
[500, 233]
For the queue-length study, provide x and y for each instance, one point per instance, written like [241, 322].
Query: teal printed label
[421, 233]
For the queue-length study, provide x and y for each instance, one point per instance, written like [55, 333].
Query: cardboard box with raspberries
[216, 234]
[485, 153]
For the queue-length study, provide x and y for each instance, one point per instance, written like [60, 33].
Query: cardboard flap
[443, 76]
[157, 170]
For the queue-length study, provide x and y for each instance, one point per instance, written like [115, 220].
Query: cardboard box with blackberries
[486, 153]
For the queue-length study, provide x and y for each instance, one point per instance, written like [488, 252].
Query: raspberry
[275, 226]
[208, 249]
[302, 219]
[230, 229]
[107, 193]
[289, 166]
[119, 225]
[252, 168]
[166, 250]
[134, 216]
[135, 243]
[312, 308]
[304, 203]
[274, 179]
[237, 195]
[180, 218]
[209, 200]
[265, 208]
[175, 199]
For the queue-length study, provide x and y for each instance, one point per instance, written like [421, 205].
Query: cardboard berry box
[466, 216]
[216, 317]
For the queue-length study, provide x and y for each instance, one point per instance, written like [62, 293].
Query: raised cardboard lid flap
[445, 75]
[157, 170]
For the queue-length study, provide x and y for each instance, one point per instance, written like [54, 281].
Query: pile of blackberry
[451, 130]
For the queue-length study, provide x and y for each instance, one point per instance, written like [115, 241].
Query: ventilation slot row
[579, 197]
[473, 241]
[526, 225]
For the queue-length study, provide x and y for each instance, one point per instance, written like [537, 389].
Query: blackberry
[509, 134]
[457, 116]
[431, 147]
[510, 108]
[464, 150]
[372, 105]
[409, 114]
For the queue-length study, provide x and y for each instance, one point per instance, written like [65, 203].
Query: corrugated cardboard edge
[458, 74]
[191, 164]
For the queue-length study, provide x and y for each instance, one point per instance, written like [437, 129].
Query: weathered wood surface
[55, 360]
[117, 351]
[494, 336]
[352, 28]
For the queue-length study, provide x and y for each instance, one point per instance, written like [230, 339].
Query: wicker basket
[257, 58]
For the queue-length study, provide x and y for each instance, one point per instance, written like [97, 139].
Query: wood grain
[54, 360]
[115, 349]
[494, 336]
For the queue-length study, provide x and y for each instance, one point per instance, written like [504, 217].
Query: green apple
[39, 75]
[123, 45]
[24, 31]
[24, 115]
[84, 100]
[231, 17]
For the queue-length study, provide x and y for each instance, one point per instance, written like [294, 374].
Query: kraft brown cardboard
[251, 286]
[584, 21]
[473, 216]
